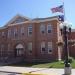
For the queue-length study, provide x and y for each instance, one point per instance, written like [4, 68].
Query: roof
[72, 30]
[19, 19]
[45, 18]
[16, 18]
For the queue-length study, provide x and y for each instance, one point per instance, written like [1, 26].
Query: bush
[70, 60]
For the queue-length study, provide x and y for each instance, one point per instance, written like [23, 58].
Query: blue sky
[34, 9]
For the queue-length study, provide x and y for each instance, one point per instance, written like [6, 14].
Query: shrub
[71, 59]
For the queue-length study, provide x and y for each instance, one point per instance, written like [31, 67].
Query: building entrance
[19, 50]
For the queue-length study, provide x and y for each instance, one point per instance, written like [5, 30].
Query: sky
[35, 9]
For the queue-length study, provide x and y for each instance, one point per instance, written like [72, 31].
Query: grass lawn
[56, 64]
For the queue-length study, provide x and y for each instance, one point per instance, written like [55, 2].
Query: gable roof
[18, 19]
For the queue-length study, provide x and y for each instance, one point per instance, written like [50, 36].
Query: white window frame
[43, 46]
[3, 33]
[2, 49]
[19, 52]
[49, 27]
[19, 20]
[9, 33]
[30, 47]
[15, 32]
[42, 28]
[49, 47]
[30, 28]
[8, 47]
[22, 30]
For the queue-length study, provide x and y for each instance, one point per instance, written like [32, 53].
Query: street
[11, 70]
[3, 73]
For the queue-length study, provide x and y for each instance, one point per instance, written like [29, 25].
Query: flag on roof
[61, 18]
[57, 9]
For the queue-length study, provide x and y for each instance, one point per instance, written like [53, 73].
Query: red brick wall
[36, 40]
[72, 47]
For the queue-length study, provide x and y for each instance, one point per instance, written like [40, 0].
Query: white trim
[50, 19]
[42, 28]
[49, 25]
[9, 33]
[3, 33]
[14, 18]
[43, 46]
[34, 21]
[1, 50]
[8, 47]
[30, 46]
[30, 26]
[19, 46]
[50, 46]
[22, 30]
[18, 23]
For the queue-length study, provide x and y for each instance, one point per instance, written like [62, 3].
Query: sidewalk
[47, 71]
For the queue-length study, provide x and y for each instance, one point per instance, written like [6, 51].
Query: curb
[37, 74]
[10, 72]
[28, 73]
[33, 74]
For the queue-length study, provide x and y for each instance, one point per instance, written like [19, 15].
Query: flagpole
[64, 10]
[67, 68]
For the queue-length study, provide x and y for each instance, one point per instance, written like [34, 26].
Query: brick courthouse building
[30, 39]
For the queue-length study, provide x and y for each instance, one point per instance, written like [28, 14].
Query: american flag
[57, 9]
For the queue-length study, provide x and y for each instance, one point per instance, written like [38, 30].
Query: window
[42, 29]
[2, 49]
[30, 47]
[15, 32]
[49, 47]
[8, 47]
[9, 33]
[19, 20]
[22, 30]
[0, 34]
[30, 30]
[43, 47]
[3, 34]
[19, 51]
[49, 28]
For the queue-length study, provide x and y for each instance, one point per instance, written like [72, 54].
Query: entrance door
[19, 50]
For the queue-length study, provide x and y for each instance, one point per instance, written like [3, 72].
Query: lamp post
[65, 28]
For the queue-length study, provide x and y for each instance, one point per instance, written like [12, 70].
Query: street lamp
[65, 29]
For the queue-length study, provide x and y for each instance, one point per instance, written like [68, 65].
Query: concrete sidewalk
[47, 71]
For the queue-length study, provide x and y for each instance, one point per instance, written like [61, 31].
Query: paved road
[3, 73]
[48, 71]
